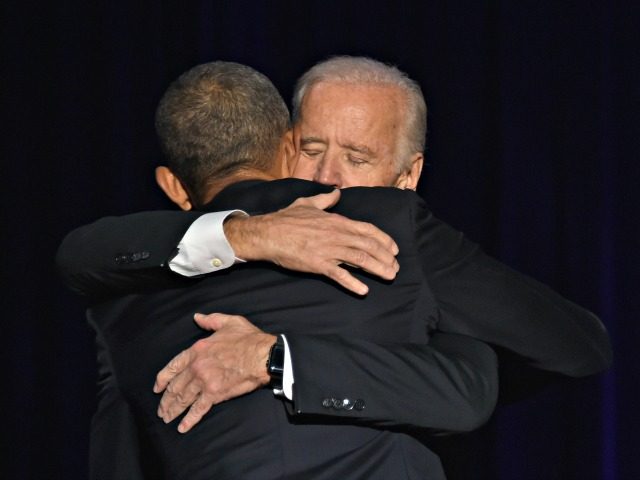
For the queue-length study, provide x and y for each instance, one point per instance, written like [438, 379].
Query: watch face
[275, 366]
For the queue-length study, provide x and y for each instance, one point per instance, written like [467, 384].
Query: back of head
[366, 71]
[219, 118]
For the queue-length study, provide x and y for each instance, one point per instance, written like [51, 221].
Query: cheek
[386, 177]
[359, 179]
[303, 169]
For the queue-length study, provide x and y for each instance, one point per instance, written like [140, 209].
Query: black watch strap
[275, 363]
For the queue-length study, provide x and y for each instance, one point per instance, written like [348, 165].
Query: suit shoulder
[380, 198]
[260, 196]
[397, 212]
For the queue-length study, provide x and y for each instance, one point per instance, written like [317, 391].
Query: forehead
[353, 108]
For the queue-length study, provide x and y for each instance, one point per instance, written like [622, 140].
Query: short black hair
[216, 119]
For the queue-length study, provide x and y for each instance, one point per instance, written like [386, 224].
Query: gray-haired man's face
[348, 135]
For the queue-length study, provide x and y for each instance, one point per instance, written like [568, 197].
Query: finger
[173, 368]
[363, 235]
[198, 410]
[373, 234]
[181, 392]
[363, 252]
[213, 321]
[347, 280]
[372, 260]
[206, 322]
[181, 402]
[321, 201]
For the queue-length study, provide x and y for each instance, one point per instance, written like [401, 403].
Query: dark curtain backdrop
[532, 151]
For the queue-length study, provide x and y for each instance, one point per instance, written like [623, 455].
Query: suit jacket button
[359, 405]
[137, 256]
[337, 403]
[348, 404]
[327, 402]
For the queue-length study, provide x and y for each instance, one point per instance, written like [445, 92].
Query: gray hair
[363, 70]
[216, 119]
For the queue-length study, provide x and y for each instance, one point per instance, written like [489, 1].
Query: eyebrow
[307, 140]
[358, 148]
[349, 146]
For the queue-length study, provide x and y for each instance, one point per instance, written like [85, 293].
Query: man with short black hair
[231, 135]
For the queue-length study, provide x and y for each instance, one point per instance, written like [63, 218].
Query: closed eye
[356, 160]
[311, 152]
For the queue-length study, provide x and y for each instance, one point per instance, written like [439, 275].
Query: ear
[288, 154]
[408, 180]
[295, 143]
[173, 188]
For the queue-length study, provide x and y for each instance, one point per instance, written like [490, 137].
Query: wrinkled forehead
[340, 97]
[340, 109]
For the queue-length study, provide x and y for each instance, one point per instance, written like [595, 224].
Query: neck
[239, 176]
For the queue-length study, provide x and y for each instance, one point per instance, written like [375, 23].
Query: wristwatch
[275, 363]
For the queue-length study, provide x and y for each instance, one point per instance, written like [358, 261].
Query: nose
[327, 172]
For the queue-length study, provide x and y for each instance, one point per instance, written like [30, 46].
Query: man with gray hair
[358, 122]
[352, 130]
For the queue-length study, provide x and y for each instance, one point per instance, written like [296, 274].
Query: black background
[532, 152]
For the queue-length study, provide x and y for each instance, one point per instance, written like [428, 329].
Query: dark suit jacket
[371, 349]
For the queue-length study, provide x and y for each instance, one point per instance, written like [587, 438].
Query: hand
[305, 238]
[225, 365]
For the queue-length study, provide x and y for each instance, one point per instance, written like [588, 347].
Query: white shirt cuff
[287, 374]
[204, 247]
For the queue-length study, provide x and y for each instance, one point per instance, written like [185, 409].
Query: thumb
[213, 321]
[321, 201]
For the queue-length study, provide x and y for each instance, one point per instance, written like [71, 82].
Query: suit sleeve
[128, 254]
[482, 298]
[449, 385]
